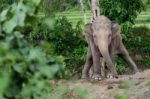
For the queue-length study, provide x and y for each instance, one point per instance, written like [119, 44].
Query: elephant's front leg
[125, 55]
[88, 64]
[103, 67]
[112, 56]
[96, 61]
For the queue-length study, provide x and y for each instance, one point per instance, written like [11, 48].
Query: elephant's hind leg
[125, 55]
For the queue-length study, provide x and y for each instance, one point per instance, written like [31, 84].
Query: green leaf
[60, 58]
[3, 15]
[19, 18]
[18, 35]
[49, 71]
[37, 54]
[50, 22]
[19, 13]
[3, 48]
[9, 26]
[4, 79]
[27, 90]
[19, 68]
[36, 2]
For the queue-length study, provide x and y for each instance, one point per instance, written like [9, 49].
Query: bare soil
[135, 86]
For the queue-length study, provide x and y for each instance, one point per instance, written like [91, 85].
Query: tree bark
[95, 8]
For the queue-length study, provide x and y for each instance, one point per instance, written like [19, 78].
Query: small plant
[121, 97]
[126, 85]
[120, 66]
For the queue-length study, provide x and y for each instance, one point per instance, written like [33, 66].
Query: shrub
[120, 12]
[25, 69]
[69, 43]
[140, 46]
[66, 41]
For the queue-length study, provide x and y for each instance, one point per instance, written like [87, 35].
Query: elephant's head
[104, 31]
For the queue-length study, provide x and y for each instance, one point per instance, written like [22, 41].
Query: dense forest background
[42, 40]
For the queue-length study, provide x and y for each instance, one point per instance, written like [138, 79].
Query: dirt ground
[135, 86]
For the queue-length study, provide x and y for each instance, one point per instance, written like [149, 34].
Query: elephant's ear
[115, 30]
[88, 29]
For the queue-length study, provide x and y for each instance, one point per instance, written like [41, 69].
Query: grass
[74, 17]
[143, 19]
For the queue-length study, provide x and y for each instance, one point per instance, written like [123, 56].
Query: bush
[120, 12]
[140, 45]
[67, 41]
[25, 69]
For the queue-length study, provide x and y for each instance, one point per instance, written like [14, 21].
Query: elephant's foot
[97, 77]
[111, 76]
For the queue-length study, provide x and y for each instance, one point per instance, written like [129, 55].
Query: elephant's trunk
[103, 47]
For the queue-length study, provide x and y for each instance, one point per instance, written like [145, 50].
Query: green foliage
[126, 85]
[67, 41]
[4, 77]
[147, 3]
[74, 4]
[25, 69]
[120, 66]
[64, 37]
[121, 10]
[121, 97]
[51, 6]
[145, 61]
[142, 43]
[140, 46]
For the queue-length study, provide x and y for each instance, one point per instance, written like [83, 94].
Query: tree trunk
[95, 8]
[83, 10]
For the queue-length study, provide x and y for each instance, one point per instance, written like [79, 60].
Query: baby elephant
[103, 37]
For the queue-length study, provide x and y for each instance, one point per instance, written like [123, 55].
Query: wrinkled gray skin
[103, 37]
